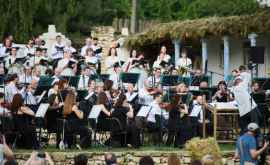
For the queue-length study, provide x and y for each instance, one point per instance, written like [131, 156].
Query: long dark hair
[102, 98]
[17, 103]
[110, 52]
[121, 98]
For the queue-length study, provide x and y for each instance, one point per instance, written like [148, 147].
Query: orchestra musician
[162, 57]
[26, 77]
[184, 63]
[67, 65]
[10, 62]
[84, 78]
[74, 117]
[111, 60]
[11, 88]
[157, 118]
[124, 112]
[177, 110]
[23, 116]
[91, 58]
[69, 48]
[246, 77]
[115, 76]
[133, 98]
[222, 94]
[29, 49]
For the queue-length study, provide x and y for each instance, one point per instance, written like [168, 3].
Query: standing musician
[124, 112]
[90, 58]
[5, 49]
[67, 65]
[26, 76]
[74, 117]
[88, 44]
[23, 122]
[184, 63]
[29, 48]
[69, 48]
[10, 62]
[222, 94]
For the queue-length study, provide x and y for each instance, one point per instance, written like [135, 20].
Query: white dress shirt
[244, 101]
[10, 91]
[156, 110]
[197, 111]
[55, 53]
[83, 82]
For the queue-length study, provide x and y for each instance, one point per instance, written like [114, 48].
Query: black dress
[127, 125]
[76, 126]
[173, 126]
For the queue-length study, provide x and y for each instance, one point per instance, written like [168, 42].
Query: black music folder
[129, 77]
[170, 80]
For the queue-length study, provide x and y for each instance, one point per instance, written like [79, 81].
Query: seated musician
[222, 94]
[133, 98]
[157, 118]
[197, 77]
[196, 116]
[11, 88]
[28, 96]
[125, 113]
[154, 80]
[184, 62]
[23, 116]
[102, 102]
[74, 117]
[177, 110]
[26, 77]
[84, 79]
[163, 57]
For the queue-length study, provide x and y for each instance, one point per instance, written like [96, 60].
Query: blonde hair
[208, 160]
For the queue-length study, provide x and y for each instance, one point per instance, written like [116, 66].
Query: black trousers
[251, 117]
[156, 131]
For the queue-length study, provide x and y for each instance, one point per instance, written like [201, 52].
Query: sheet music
[194, 88]
[131, 97]
[144, 111]
[225, 105]
[42, 109]
[95, 111]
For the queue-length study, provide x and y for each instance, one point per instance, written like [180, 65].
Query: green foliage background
[27, 18]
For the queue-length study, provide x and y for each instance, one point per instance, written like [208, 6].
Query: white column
[204, 55]
[252, 37]
[226, 57]
[177, 47]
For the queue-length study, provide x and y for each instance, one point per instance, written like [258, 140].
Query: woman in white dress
[162, 57]
[111, 60]
[184, 62]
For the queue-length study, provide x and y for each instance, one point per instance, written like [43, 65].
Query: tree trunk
[133, 28]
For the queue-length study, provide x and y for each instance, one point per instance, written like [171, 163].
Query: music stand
[129, 77]
[72, 80]
[170, 80]
[186, 80]
[44, 84]
[104, 77]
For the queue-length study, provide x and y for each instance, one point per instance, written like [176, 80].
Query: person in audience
[146, 160]
[173, 159]
[80, 159]
[196, 162]
[111, 60]
[208, 160]
[74, 118]
[39, 158]
[5, 152]
[110, 159]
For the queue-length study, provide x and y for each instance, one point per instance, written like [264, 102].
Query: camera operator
[39, 158]
[246, 146]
